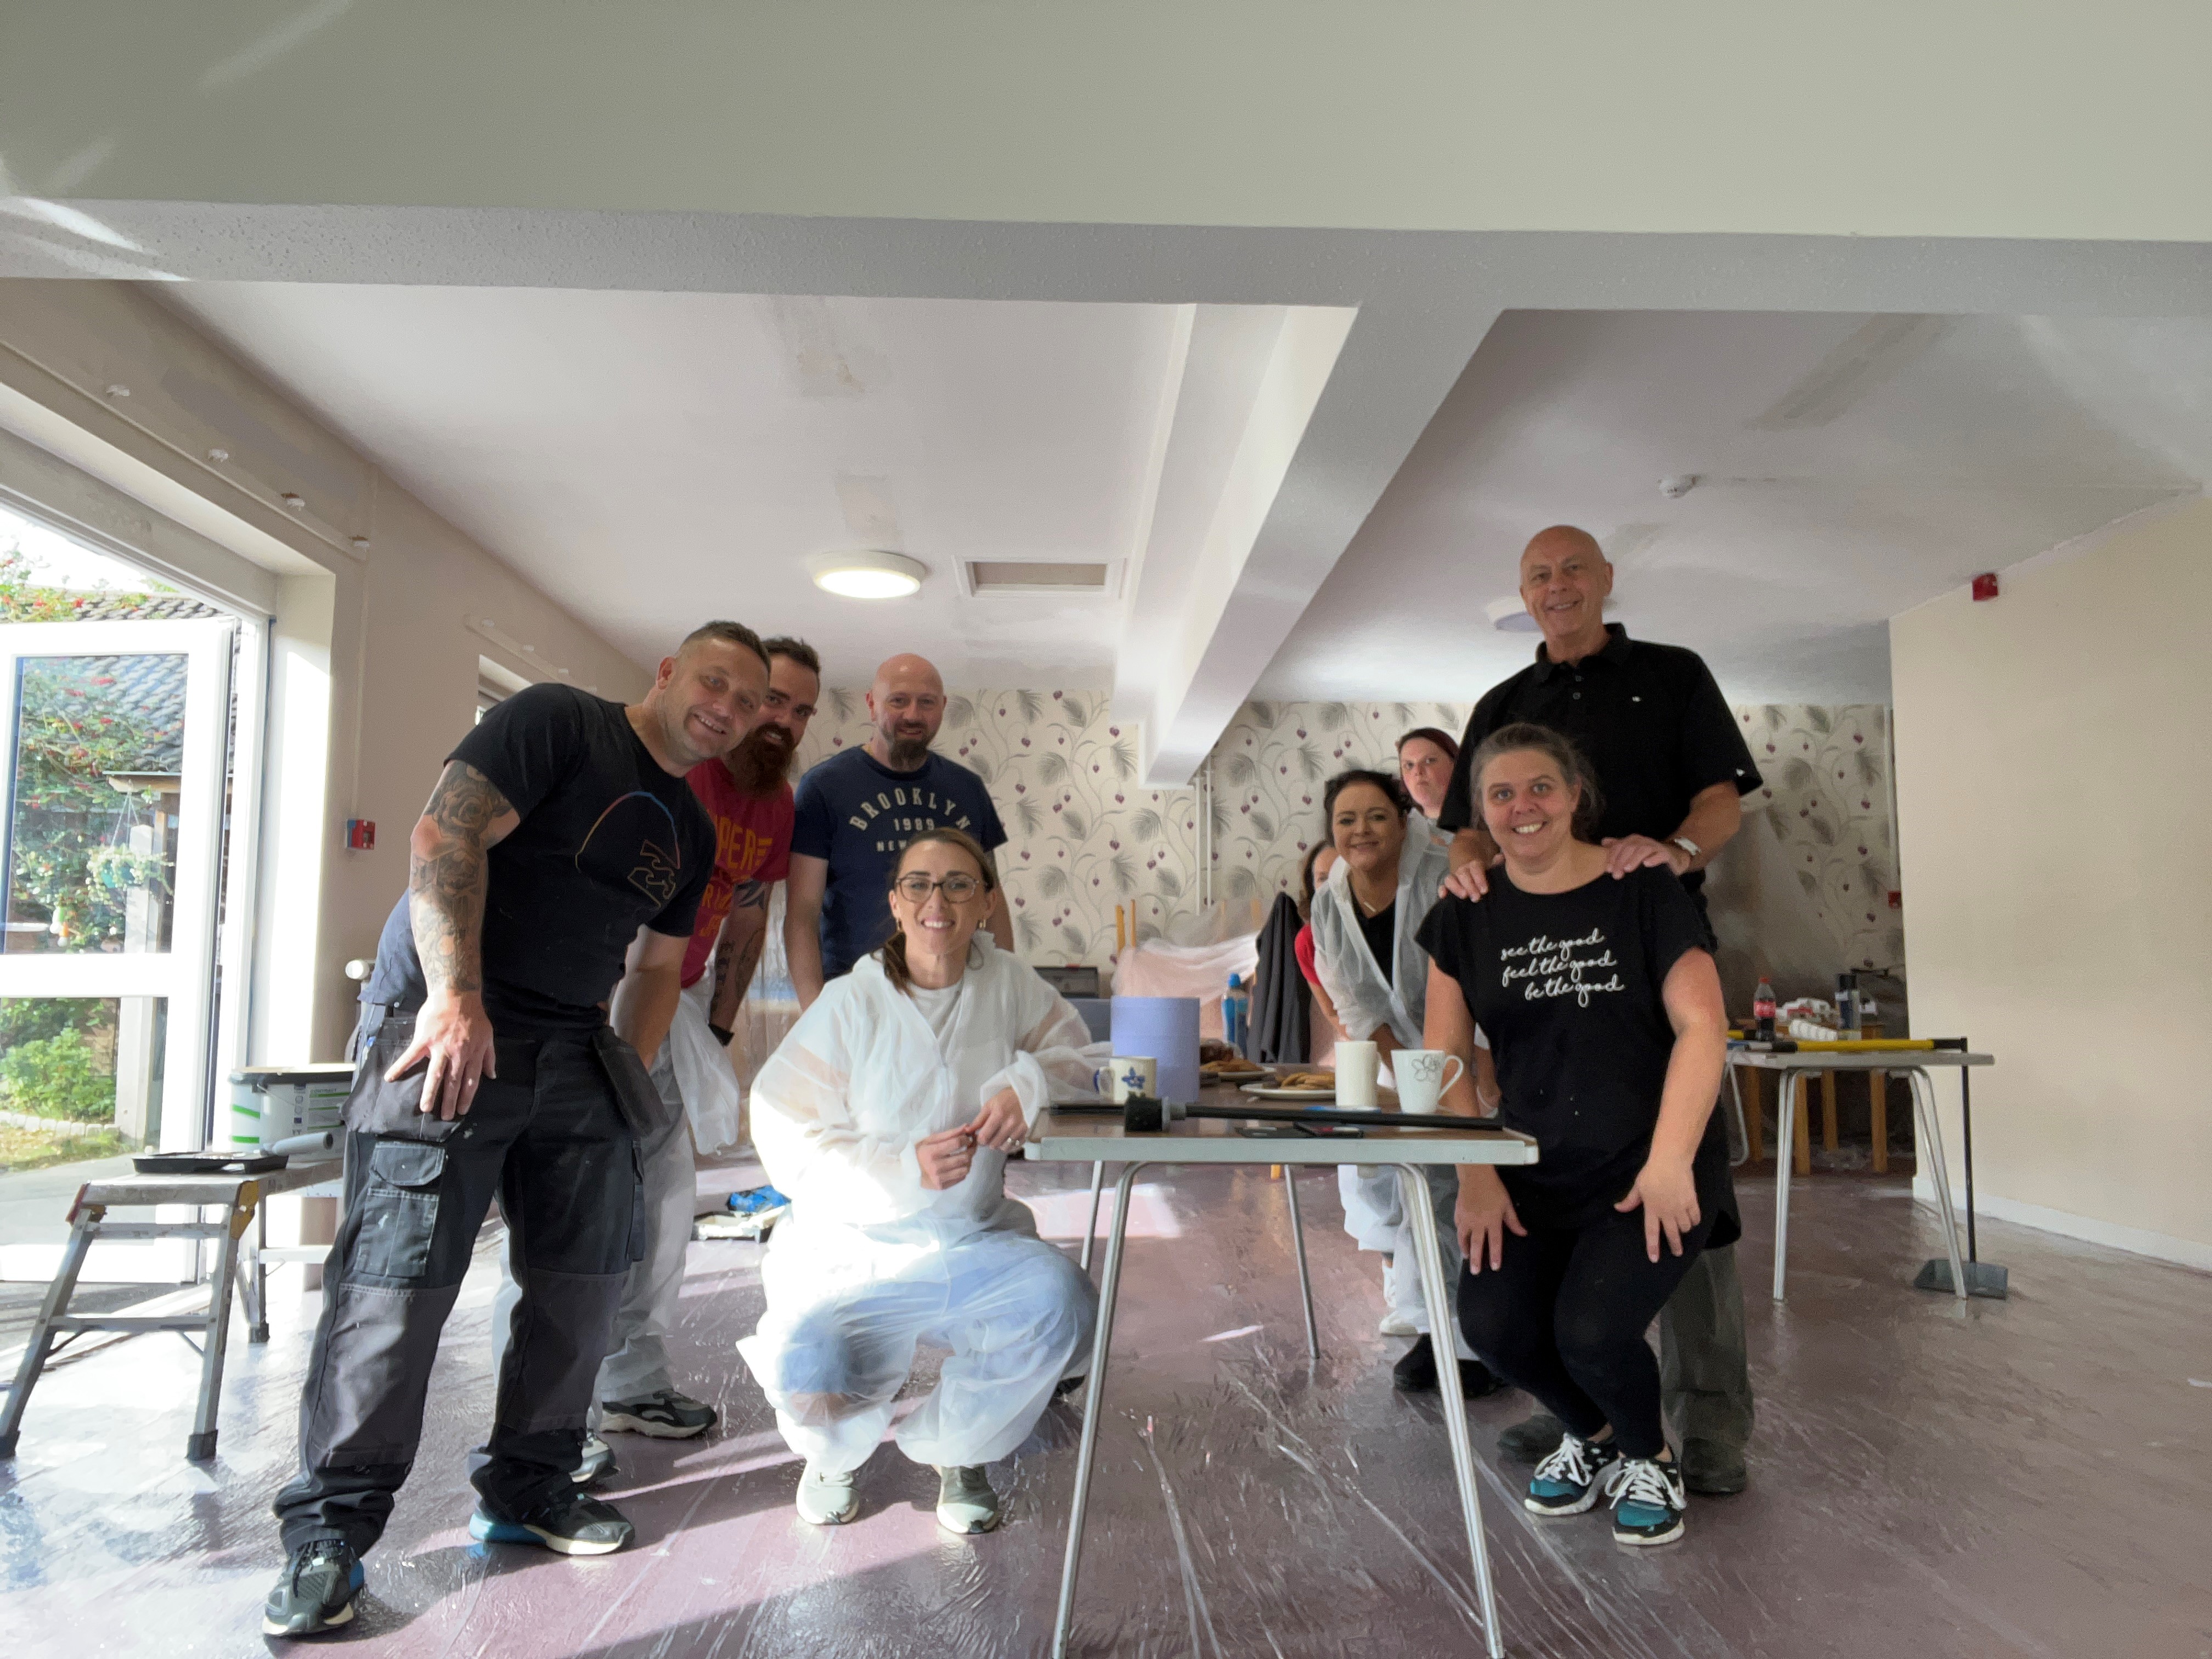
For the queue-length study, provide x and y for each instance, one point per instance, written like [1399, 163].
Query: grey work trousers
[1704, 1364]
[546, 1135]
[636, 1364]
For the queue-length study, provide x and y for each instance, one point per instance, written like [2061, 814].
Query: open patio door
[113, 741]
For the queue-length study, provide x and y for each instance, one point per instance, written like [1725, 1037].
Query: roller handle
[323, 1140]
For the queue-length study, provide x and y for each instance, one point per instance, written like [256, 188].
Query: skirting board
[2139, 1241]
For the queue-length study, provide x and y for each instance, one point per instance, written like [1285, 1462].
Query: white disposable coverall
[1367, 999]
[870, 1262]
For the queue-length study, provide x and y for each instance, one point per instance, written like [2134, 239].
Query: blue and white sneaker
[574, 1526]
[1565, 1483]
[1648, 1501]
[317, 1590]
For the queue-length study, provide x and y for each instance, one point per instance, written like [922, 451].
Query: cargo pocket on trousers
[398, 1210]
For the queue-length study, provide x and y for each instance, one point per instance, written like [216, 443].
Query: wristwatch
[1689, 846]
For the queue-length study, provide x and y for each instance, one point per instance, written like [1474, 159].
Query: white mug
[1126, 1075]
[1423, 1076]
[1356, 1064]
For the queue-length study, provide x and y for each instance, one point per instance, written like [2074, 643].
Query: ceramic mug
[1357, 1065]
[1126, 1075]
[1422, 1075]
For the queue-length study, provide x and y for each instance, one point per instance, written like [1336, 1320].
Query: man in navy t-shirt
[856, 812]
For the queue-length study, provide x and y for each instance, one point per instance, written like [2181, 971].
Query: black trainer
[575, 1525]
[665, 1415]
[1416, 1373]
[1713, 1470]
[1531, 1440]
[317, 1589]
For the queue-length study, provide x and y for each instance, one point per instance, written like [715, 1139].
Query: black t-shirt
[1567, 987]
[1381, 932]
[1649, 719]
[608, 843]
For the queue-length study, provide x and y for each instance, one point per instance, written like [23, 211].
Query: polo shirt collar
[1614, 651]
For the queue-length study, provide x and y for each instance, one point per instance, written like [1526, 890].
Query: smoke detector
[1675, 485]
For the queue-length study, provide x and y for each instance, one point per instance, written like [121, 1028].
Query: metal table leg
[1090, 1232]
[200, 1444]
[1298, 1241]
[1414, 1193]
[42, 1332]
[1932, 1140]
[253, 1277]
[1101, 1337]
[1785, 1136]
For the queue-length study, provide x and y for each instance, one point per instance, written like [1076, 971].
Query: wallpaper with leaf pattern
[1827, 795]
[1082, 836]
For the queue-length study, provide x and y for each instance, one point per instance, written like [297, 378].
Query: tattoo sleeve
[737, 953]
[445, 876]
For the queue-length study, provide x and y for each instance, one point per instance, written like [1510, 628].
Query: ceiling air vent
[1033, 576]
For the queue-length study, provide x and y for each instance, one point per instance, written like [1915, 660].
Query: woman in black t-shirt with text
[1604, 1014]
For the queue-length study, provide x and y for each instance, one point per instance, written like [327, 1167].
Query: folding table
[1912, 1064]
[1087, 1138]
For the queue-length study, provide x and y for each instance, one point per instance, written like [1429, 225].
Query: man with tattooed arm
[561, 839]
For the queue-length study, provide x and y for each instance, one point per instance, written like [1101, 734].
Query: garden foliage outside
[72, 868]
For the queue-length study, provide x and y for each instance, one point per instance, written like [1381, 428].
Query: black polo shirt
[1649, 717]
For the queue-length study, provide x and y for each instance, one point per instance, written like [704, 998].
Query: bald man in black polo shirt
[1672, 766]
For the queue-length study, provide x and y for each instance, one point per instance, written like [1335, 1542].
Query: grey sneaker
[825, 1499]
[596, 1465]
[316, 1592]
[665, 1415]
[965, 1502]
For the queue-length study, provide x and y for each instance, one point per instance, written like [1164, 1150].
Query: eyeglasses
[957, 888]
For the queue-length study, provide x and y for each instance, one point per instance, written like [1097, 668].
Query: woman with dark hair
[1365, 918]
[1426, 759]
[887, 1115]
[1321, 1033]
[1603, 1010]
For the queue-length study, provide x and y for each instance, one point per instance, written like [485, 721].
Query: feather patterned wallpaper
[1082, 836]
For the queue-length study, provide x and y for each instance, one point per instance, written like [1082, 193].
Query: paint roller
[322, 1140]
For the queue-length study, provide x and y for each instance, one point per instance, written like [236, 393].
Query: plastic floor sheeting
[2027, 1477]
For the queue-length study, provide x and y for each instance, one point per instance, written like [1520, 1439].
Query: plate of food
[1234, 1068]
[1296, 1086]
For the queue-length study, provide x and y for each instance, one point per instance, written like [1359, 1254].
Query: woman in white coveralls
[1364, 917]
[887, 1115]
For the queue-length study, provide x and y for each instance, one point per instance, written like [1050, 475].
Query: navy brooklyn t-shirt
[859, 814]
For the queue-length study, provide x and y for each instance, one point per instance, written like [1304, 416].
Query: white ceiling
[651, 461]
[1850, 468]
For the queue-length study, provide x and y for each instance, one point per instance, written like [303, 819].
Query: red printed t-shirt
[752, 842]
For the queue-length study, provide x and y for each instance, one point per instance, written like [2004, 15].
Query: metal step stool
[240, 1198]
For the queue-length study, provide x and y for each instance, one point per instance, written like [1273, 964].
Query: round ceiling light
[867, 573]
[1511, 615]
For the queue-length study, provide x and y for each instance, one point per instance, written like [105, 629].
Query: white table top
[1857, 1060]
[1095, 1136]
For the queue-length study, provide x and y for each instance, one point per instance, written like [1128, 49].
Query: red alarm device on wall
[361, 834]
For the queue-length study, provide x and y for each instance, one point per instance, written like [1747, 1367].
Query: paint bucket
[269, 1103]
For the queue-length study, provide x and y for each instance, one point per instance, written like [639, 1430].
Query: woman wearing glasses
[887, 1115]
